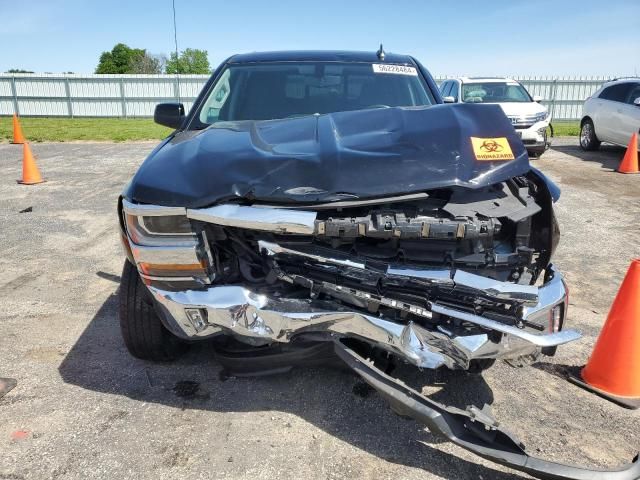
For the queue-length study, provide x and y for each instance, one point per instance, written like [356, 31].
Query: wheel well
[584, 119]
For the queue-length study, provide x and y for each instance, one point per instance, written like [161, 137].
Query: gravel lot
[83, 408]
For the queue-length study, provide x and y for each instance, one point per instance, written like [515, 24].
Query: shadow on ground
[335, 401]
[558, 370]
[608, 156]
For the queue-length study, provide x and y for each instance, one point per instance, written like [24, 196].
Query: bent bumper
[473, 429]
[534, 136]
[258, 319]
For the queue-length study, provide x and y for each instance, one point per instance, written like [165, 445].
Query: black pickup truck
[322, 205]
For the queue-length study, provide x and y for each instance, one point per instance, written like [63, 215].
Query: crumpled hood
[320, 158]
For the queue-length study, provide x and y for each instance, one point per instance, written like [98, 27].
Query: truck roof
[320, 56]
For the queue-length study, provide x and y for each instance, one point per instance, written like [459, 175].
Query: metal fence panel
[39, 87]
[562, 95]
[96, 108]
[49, 107]
[146, 88]
[6, 93]
[49, 95]
[6, 105]
[136, 95]
[91, 87]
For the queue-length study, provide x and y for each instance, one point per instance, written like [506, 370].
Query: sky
[581, 37]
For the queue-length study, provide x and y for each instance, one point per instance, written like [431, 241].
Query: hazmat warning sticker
[394, 69]
[488, 149]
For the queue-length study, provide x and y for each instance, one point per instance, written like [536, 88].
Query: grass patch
[97, 129]
[566, 129]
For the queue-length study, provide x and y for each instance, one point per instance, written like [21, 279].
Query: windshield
[282, 90]
[494, 92]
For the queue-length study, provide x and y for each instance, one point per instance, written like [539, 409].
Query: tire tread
[142, 331]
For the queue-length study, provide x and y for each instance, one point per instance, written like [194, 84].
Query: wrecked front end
[450, 272]
[446, 278]
[419, 232]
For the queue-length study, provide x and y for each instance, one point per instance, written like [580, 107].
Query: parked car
[611, 114]
[314, 204]
[528, 116]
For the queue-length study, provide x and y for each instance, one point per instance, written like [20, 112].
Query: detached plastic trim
[474, 429]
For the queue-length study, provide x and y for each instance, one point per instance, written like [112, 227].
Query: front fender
[554, 189]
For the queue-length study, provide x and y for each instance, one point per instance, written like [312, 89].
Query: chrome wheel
[585, 135]
[588, 139]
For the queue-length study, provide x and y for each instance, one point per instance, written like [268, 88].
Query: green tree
[121, 59]
[190, 61]
[148, 64]
[18, 70]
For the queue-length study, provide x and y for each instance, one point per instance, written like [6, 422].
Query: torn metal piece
[474, 430]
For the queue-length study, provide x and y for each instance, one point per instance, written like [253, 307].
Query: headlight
[163, 244]
[158, 231]
[150, 225]
[540, 117]
[169, 225]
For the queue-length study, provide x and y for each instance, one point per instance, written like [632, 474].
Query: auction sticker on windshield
[394, 69]
[488, 149]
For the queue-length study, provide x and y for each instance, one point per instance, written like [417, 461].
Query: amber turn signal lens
[172, 270]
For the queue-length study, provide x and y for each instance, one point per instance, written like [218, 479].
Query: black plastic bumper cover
[474, 430]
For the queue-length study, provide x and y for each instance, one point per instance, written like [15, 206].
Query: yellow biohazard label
[489, 149]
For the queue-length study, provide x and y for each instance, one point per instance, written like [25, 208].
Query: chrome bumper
[257, 319]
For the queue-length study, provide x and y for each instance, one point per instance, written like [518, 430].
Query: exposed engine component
[450, 228]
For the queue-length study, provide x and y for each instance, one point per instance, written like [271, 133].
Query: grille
[523, 121]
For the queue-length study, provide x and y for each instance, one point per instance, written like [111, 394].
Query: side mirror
[636, 102]
[449, 99]
[169, 114]
[537, 98]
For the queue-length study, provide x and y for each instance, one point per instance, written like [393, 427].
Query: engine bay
[395, 259]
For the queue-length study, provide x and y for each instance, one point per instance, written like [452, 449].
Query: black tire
[142, 331]
[536, 152]
[588, 139]
[478, 366]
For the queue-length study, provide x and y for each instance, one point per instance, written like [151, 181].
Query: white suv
[527, 115]
[612, 114]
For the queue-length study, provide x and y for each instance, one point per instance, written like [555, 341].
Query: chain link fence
[128, 96]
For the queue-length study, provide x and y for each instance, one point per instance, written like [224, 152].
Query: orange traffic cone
[613, 371]
[629, 163]
[30, 173]
[18, 137]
